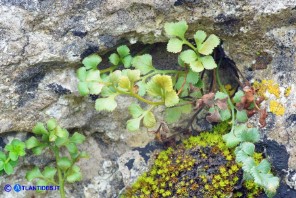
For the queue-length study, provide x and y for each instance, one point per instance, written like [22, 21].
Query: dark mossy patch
[201, 166]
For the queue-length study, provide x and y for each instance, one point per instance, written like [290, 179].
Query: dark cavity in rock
[27, 83]
[58, 89]
[130, 164]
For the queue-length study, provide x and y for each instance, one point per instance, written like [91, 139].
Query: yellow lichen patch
[288, 91]
[276, 108]
[267, 86]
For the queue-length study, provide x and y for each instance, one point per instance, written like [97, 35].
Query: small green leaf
[123, 51]
[135, 110]
[172, 115]
[77, 138]
[174, 45]
[8, 168]
[240, 155]
[188, 56]
[127, 61]
[159, 84]
[38, 149]
[106, 104]
[39, 128]
[143, 63]
[115, 76]
[142, 88]
[32, 142]
[248, 164]
[106, 92]
[64, 163]
[16, 148]
[199, 37]
[231, 140]
[92, 61]
[208, 46]
[242, 116]
[257, 176]
[2, 164]
[196, 66]
[72, 148]
[133, 124]
[62, 133]
[208, 62]
[264, 166]
[179, 82]
[93, 76]
[192, 77]
[114, 59]
[248, 148]
[238, 95]
[149, 120]
[133, 75]
[181, 62]
[49, 172]
[176, 29]
[2, 156]
[51, 124]
[74, 177]
[220, 95]
[83, 88]
[41, 182]
[81, 73]
[95, 87]
[247, 176]
[34, 173]
[271, 185]
[171, 98]
[13, 156]
[83, 154]
[52, 136]
[250, 135]
[124, 82]
[225, 114]
[61, 141]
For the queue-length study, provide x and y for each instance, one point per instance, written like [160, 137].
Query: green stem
[7, 160]
[60, 175]
[190, 45]
[109, 69]
[228, 98]
[158, 71]
[145, 100]
[131, 93]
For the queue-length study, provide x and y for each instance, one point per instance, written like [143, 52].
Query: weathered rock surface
[43, 42]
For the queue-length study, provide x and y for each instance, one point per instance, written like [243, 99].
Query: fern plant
[169, 88]
[57, 140]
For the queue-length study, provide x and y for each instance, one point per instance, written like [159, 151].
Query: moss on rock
[202, 166]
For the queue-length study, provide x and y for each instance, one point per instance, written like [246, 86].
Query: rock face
[42, 44]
